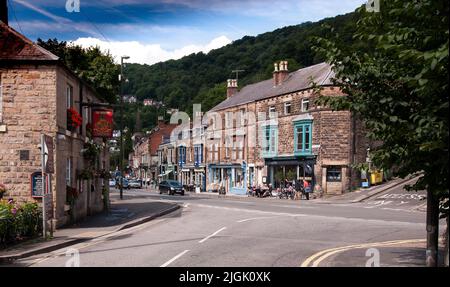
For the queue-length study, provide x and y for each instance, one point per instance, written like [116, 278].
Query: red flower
[74, 119]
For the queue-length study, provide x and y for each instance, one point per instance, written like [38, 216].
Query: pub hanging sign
[102, 123]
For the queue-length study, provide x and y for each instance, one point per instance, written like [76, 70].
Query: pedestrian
[307, 188]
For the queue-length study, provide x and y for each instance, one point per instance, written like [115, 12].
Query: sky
[158, 30]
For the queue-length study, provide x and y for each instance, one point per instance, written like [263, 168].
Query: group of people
[298, 186]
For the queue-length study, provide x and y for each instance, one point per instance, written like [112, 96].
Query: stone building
[146, 150]
[189, 140]
[272, 130]
[36, 93]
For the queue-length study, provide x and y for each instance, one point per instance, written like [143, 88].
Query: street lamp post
[121, 126]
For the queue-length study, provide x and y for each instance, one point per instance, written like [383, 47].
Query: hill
[200, 78]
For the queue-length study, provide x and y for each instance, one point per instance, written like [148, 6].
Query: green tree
[399, 88]
[91, 64]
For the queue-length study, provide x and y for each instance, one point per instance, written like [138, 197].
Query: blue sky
[156, 30]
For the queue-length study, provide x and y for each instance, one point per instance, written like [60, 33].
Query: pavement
[126, 213]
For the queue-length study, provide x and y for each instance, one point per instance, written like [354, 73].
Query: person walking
[307, 188]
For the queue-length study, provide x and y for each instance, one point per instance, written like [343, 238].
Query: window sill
[302, 153]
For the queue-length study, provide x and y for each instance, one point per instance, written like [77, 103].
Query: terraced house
[272, 130]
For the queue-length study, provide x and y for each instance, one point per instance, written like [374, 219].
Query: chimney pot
[283, 73]
[231, 87]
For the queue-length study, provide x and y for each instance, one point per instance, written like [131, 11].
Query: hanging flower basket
[74, 119]
[90, 151]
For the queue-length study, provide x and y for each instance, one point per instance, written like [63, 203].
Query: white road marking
[209, 236]
[174, 258]
[255, 218]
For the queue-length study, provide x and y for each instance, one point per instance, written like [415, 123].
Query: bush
[18, 221]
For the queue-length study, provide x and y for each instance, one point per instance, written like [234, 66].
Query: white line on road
[209, 236]
[255, 218]
[175, 258]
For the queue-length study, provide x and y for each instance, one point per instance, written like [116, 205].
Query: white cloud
[149, 53]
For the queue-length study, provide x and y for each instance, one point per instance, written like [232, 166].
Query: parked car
[112, 182]
[135, 183]
[171, 187]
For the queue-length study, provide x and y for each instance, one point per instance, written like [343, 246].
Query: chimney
[4, 11]
[160, 120]
[232, 87]
[283, 72]
[275, 74]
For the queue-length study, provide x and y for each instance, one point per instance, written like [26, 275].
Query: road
[211, 231]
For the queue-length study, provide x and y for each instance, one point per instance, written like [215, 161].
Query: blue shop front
[233, 177]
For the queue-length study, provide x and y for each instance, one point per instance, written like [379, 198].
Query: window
[229, 120]
[69, 171]
[302, 137]
[216, 152]
[242, 117]
[182, 155]
[69, 96]
[198, 154]
[270, 140]
[305, 105]
[287, 108]
[334, 174]
[211, 151]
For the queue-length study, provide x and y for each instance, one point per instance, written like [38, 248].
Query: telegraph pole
[121, 127]
[237, 73]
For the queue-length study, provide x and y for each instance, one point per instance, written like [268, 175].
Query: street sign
[36, 184]
[48, 154]
[102, 123]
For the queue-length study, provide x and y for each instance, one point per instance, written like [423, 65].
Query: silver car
[135, 183]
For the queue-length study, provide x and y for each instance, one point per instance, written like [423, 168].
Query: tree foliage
[399, 87]
[92, 65]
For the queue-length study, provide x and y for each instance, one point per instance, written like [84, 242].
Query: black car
[171, 187]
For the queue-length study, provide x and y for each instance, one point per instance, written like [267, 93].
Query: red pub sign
[102, 123]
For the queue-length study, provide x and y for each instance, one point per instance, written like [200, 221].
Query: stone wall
[34, 102]
[29, 109]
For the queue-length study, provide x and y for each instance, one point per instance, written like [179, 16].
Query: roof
[302, 79]
[15, 46]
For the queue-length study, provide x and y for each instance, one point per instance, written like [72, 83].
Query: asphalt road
[210, 231]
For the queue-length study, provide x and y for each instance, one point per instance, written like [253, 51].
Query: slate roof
[321, 74]
[15, 46]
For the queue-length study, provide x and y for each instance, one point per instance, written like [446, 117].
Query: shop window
[334, 174]
[302, 137]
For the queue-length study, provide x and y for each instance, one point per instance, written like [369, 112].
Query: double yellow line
[317, 258]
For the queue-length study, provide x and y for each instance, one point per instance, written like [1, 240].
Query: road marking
[318, 257]
[174, 258]
[209, 236]
[255, 218]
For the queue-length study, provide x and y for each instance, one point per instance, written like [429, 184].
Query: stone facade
[36, 91]
[285, 110]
